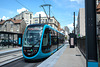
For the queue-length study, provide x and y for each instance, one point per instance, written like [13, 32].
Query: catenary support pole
[74, 22]
[39, 18]
[91, 40]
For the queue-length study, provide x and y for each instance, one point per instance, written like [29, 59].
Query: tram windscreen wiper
[36, 43]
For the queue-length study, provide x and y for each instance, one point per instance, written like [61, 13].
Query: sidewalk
[71, 58]
[65, 57]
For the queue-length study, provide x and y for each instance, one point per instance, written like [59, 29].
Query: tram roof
[46, 25]
[37, 24]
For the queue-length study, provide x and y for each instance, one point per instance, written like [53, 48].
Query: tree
[65, 37]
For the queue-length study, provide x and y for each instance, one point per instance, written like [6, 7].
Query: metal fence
[81, 45]
[98, 42]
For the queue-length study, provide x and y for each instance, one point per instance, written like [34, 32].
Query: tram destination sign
[33, 29]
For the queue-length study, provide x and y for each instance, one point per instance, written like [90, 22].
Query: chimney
[1, 20]
[52, 16]
[22, 18]
[14, 19]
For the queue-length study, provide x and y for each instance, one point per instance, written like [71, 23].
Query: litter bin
[19, 39]
[72, 40]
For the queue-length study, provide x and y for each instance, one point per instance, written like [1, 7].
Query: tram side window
[53, 40]
[45, 39]
[46, 42]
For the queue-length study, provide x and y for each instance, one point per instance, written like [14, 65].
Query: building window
[41, 20]
[5, 25]
[51, 20]
[11, 30]
[17, 30]
[36, 21]
[30, 16]
[11, 25]
[45, 20]
[55, 22]
[17, 26]
[27, 13]
[26, 20]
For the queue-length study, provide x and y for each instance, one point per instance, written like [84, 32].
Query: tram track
[15, 59]
[6, 55]
[10, 57]
[21, 63]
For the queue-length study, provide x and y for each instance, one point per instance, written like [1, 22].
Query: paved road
[5, 58]
[22, 63]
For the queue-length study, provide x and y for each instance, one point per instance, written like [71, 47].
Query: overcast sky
[61, 9]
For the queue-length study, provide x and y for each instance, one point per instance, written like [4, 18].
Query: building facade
[13, 25]
[62, 31]
[44, 20]
[98, 19]
[81, 23]
[97, 2]
[27, 16]
[66, 29]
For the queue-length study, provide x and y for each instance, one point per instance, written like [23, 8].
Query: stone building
[81, 23]
[53, 22]
[13, 25]
[27, 16]
[97, 2]
[98, 19]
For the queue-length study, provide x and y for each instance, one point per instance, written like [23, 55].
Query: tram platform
[9, 50]
[65, 57]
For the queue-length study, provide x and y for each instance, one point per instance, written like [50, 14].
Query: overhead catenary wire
[23, 5]
[44, 1]
[50, 10]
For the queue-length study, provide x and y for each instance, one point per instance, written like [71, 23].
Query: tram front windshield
[32, 37]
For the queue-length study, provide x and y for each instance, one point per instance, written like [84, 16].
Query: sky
[62, 10]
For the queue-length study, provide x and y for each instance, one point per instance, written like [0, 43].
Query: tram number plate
[28, 50]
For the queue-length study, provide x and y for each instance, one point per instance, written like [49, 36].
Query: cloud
[37, 14]
[11, 12]
[78, 1]
[70, 26]
[4, 18]
[21, 10]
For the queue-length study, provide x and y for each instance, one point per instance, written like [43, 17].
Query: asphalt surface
[8, 57]
[22, 63]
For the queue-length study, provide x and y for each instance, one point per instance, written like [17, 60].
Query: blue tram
[41, 41]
